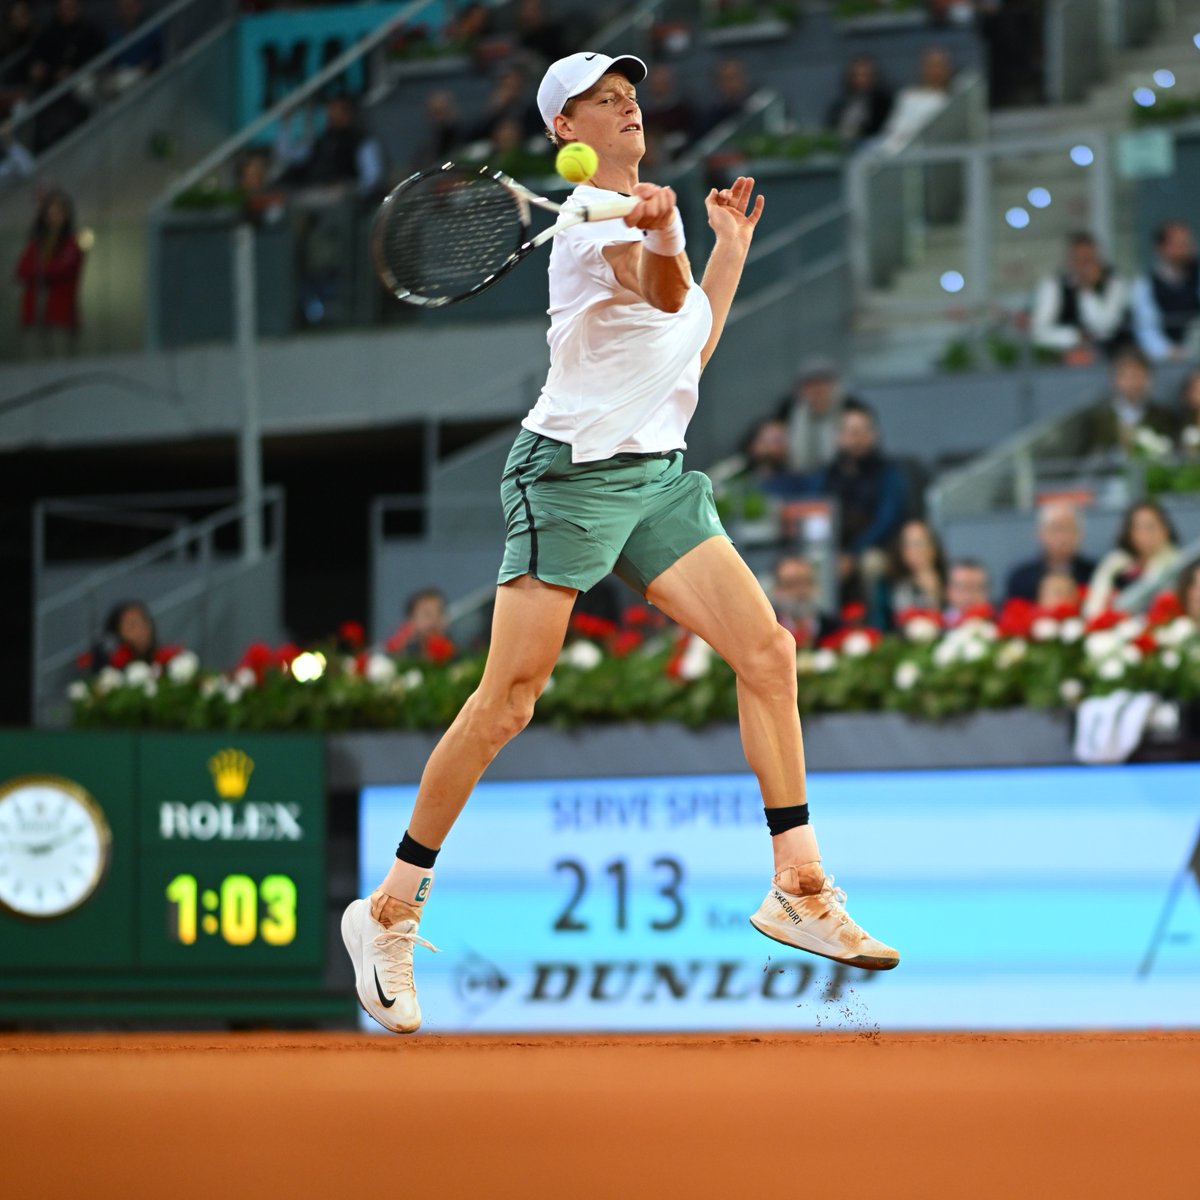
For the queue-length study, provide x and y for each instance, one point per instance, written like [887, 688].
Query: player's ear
[563, 128]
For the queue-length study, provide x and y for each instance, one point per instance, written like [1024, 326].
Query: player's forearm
[720, 283]
[663, 280]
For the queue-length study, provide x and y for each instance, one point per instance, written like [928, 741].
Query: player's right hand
[656, 210]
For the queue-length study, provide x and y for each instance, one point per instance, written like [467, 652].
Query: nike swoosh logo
[588, 57]
[379, 990]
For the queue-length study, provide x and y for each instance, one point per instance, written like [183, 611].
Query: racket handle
[606, 210]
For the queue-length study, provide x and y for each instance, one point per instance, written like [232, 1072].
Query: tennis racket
[449, 233]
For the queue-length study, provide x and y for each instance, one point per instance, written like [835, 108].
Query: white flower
[1071, 629]
[856, 644]
[380, 669]
[946, 652]
[137, 673]
[232, 692]
[183, 667]
[1101, 644]
[349, 664]
[584, 655]
[1171, 660]
[150, 688]
[1153, 444]
[209, 686]
[973, 650]
[1071, 690]
[107, 679]
[907, 674]
[1179, 630]
[1164, 720]
[1128, 629]
[1010, 653]
[412, 678]
[1191, 437]
[824, 660]
[697, 658]
[245, 678]
[804, 662]
[977, 627]
[1045, 629]
[1132, 655]
[921, 629]
[1111, 668]
[77, 691]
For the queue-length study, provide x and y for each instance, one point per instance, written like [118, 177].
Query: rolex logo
[231, 770]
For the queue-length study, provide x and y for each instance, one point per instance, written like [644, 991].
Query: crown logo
[230, 770]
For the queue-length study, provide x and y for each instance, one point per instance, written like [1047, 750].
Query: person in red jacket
[50, 268]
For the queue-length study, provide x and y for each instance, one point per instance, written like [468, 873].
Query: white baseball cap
[575, 74]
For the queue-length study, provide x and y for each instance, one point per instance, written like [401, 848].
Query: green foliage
[792, 147]
[1172, 477]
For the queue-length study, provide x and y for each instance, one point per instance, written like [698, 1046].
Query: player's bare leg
[712, 592]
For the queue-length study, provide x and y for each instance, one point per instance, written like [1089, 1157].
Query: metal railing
[191, 572]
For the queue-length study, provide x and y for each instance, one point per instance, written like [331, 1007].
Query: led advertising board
[1020, 898]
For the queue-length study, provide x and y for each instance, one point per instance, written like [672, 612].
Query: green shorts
[572, 523]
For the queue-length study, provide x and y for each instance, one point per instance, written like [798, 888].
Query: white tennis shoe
[383, 967]
[804, 909]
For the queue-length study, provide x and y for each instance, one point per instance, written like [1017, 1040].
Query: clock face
[54, 846]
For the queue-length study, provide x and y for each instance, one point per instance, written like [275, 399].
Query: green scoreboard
[170, 876]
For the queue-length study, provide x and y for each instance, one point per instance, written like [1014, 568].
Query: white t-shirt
[624, 376]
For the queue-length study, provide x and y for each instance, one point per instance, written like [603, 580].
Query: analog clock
[54, 846]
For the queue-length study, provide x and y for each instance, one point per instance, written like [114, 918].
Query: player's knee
[511, 710]
[770, 661]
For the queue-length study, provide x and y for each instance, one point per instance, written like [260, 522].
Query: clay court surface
[299, 1115]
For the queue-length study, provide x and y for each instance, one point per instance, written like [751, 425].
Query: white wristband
[668, 242]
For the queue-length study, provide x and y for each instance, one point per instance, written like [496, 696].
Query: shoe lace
[836, 898]
[396, 945]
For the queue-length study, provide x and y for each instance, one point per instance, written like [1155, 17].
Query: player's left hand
[729, 212]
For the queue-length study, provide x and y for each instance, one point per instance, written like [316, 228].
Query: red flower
[592, 627]
[164, 654]
[977, 612]
[1164, 609]
[1017, 618]
[637, 614]
[1060, 612]
[353, 634]
[676, 660]
[122, 656]
[1105, 620]
[360, 662]
[854, 614]
[285, 654]
[832, 641]
[1145, 642]
[84, 661]
[258, 657]
[918, 614]
[625, 642]
[396, 643]
[438, 649]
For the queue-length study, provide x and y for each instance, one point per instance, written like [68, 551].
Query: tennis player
[595, 484]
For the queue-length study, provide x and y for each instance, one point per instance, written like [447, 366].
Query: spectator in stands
[261, 201]
[666, 111]
[49, 272]
[1166, 300]
[767, 453]
[509, 98]
[129, 636]
[862, 107]
[17, 38]
[731, 90]
[797, 603]
[15, 161]
[811, 413]
[1083, 310]
[60, 49]
[968, 591]
[917, 105]
[1114, 426]
[916, 575]
[1189, 405]
[1147, 549]
[1057, 590]
[424, 632]
[442, 125]
[140, 58]
[342, 153]
[870, 491]
[1060, 535]
[1188, 590]
[542, 36]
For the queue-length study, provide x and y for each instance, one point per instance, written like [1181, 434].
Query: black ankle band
[780, 820]
[410, 851]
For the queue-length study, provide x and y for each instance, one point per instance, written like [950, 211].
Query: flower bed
[641, 671]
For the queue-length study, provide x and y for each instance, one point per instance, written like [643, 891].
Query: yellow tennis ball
[576, 162]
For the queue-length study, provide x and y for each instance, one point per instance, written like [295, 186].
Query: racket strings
[446, 234]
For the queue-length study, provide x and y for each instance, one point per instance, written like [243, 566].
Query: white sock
[794, 847]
